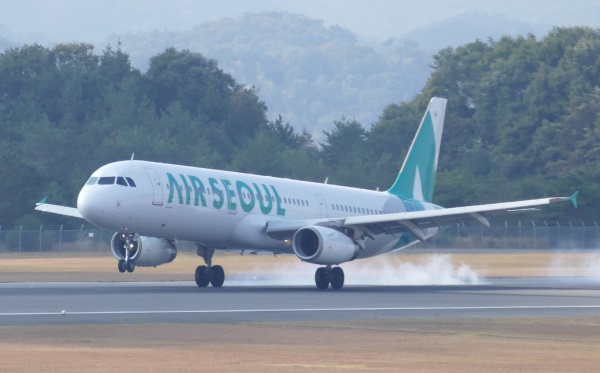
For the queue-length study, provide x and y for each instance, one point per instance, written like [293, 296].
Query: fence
[522, 235]
[42, 239]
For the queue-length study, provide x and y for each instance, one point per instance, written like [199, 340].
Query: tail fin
[416, 179]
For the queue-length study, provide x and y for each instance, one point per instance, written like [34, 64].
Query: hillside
[305, 71]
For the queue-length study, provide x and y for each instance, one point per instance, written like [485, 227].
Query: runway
[183, 302]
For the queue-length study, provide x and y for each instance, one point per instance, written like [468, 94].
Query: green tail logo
[416, 179]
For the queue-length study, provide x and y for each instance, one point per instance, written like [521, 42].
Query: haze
[368, 54]
[51, 21]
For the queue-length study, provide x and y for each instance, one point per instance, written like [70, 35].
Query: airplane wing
[57, 209]
[415, 222]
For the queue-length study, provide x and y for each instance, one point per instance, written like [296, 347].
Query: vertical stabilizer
[416, 179]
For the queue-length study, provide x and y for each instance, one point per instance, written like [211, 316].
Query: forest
[305, 70]
[523, 121]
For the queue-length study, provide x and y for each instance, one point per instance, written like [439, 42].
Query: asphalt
[183, 302]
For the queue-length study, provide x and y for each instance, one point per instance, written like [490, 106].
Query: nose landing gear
[129, 247]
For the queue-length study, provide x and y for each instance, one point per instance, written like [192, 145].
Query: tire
[217, 276]
[201, 276]
[337, 278]
[321, 278]
[122, 266]
[131, 266]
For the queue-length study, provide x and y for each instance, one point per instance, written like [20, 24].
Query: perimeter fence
[521, 235]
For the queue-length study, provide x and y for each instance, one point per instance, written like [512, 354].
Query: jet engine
[146, 251]
[322, 245]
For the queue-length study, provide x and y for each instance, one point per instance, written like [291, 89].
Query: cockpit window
[106, 180]
[130, 181]
[121, 181]
[92, 181]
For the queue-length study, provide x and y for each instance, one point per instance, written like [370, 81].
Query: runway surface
[183, 302]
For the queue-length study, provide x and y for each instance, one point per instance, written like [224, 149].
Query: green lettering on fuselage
[174, 185]
[223, 190]
[266, 205]
[280, 210]
[187, 189]
[230, 195]
[246, 206]
[198, 190]
[217, 203]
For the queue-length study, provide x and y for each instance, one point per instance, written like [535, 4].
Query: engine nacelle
[146, 251]
[322, 245]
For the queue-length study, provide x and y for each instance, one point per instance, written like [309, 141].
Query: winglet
[573, 198]
[43, 200]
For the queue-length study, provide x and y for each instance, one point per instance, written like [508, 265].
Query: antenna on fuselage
[132, 156]
[326, 180]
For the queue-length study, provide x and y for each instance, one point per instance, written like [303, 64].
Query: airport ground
[457, 344]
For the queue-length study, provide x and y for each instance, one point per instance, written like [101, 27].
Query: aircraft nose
[89, 206]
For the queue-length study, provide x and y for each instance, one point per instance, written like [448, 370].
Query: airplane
[151, 206]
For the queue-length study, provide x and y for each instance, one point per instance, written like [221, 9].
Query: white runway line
[158, 312]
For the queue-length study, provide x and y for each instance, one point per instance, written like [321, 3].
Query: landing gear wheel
[130, 265]
[337, 278]
[122, 265]
[217, 276]
[322, 278]
[202, 278]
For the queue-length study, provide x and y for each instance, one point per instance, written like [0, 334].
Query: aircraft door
[157, 189]
[322, 206]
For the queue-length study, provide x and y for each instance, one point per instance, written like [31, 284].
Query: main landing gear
[205, 274]
[324, 276]
[130, 247]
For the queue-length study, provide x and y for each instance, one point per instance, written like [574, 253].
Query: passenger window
[106, 180]
[92, 181]
[121, 181]
[130, 181]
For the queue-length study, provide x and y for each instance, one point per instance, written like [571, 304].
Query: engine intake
[146, 251]
[322, 245]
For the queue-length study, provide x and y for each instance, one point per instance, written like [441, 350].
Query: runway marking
[356, 309]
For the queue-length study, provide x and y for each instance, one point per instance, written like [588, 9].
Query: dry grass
[466, 345]
[102, 266]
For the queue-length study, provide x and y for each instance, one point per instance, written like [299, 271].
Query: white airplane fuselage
[153, 205]
[227, 210]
